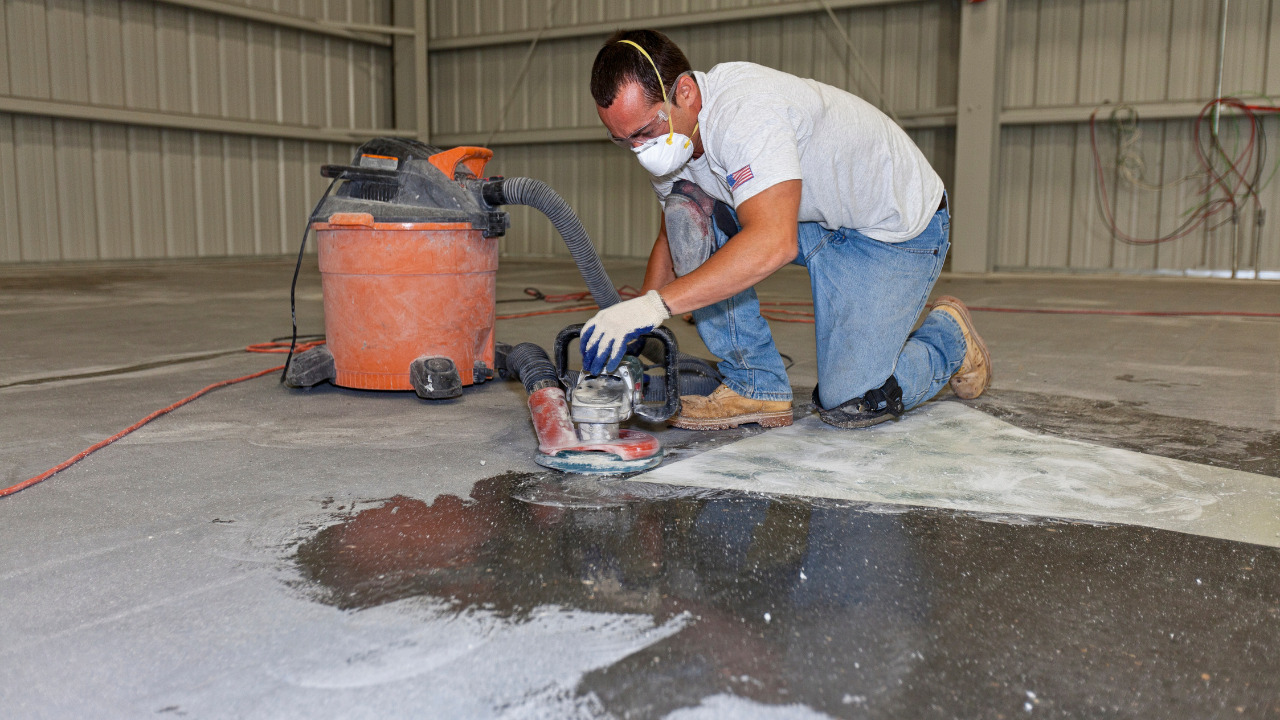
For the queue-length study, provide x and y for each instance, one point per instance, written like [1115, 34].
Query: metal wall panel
[77, 190]
[1086, 52]
[1059, 54]
[469, 18]
[910, 49]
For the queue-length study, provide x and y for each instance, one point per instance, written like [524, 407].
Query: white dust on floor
[946, 455]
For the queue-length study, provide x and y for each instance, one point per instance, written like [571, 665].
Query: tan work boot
[974, 375]
[724, 409]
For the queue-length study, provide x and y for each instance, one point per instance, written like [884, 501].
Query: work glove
[605, 338]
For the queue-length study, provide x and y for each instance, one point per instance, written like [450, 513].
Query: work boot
[724, 409]
[974, 375]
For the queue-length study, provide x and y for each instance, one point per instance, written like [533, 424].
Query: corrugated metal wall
[1086, 52]
[83, 190]
[908, 46]
[1061, 55]
[76, 189]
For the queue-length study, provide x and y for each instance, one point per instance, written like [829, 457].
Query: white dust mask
[664, 154]
[668, 153]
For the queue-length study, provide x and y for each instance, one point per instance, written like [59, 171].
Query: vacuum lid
[399, 180]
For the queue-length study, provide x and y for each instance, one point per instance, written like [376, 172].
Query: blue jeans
[867, 296]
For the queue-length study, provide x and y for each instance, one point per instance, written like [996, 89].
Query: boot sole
[768, 420]
[973, 333]
[853, 424]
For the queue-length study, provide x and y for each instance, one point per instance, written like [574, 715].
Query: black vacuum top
[401, 180]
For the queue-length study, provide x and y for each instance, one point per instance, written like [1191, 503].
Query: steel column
[410, 78]
[977, 135]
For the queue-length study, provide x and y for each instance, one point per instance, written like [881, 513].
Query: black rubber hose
[697, 377]
[538, 195]
[532, 365]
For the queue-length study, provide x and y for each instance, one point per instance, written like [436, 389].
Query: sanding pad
[599, 463]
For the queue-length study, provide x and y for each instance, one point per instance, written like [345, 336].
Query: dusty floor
[266, 552]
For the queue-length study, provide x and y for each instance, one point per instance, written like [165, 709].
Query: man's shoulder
[732, 79]
[743, 69]
[738, 86]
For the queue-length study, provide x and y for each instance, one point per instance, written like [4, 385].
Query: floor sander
[407, 239]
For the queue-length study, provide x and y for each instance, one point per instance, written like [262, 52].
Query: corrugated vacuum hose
[698, 376]
[539, 195]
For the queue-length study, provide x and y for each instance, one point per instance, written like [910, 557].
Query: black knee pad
[875, 406]
[887, 397]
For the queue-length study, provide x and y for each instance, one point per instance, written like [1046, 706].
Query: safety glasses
[651, 130]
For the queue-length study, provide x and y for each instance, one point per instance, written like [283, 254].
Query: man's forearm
[768, 240]
[744, 261]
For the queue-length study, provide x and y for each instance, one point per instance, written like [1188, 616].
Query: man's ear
[685, 89]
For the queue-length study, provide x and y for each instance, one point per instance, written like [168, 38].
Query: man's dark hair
[618, 63]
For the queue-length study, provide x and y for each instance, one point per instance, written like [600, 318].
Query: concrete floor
[266, 552]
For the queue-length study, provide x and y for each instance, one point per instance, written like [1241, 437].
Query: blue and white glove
[605, 338]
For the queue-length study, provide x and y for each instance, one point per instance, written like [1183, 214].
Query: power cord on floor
[293, 286]
[770, 311]
[275, 346]
[776, 310]
[625, 292]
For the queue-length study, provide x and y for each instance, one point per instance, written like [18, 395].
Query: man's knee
[691, 217]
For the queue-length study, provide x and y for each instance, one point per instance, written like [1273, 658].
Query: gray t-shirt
[859, 169]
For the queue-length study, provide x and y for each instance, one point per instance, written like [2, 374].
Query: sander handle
[654, 412]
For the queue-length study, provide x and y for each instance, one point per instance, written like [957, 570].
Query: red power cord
[769, 313]
[767, 310]
[626, 291]
[269, 347]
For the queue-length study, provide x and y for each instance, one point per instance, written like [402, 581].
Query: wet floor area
[846, 609]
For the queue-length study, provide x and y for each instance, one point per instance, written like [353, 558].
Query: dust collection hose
[548, 405]
[697, 376]
[539, 195]
[531, 364]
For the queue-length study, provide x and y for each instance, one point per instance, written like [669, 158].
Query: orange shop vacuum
[407, 240]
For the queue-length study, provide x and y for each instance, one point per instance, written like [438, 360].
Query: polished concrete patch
[753, 605]
[946, 455]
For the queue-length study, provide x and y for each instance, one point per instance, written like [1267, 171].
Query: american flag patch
[740, 177]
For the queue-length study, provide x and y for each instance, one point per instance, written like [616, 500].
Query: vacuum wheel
[435, 378]
[311, 367]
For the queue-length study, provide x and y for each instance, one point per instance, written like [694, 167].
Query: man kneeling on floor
[756, 168]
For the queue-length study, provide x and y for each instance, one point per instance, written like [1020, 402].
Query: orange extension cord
[269, 347]
[278, 347]
[774, 311]
[770, 310]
